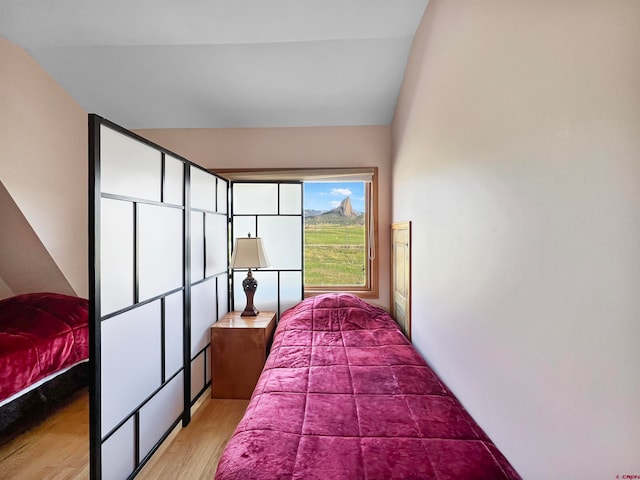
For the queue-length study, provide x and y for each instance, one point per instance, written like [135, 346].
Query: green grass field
[334, 255]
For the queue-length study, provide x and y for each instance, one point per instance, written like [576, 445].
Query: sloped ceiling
[222, 63]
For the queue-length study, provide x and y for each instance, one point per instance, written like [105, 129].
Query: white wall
[43, 166]
[516, 154]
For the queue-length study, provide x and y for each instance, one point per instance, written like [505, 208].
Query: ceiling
[222, 63]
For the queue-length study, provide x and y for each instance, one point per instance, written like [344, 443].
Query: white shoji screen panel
[272, 211]
[142, 198]
[173, 333]
[198, 365]
[290, 287]
[215, 243]
[209, 270]
[160, 255]
[173, 192]
[203, 190]
[203, 314]
[266, 296]
[222, 193]
[277, 291]
[282, 238]
[118, 458]
[129, 377]
[255, 198]
[128, 167]
[208, 305]
[117, 252]
[223, 295]
[156, 416]
[197, 246]
[290, 199]
[245, 225]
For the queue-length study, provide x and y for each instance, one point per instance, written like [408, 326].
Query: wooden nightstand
[239, 348]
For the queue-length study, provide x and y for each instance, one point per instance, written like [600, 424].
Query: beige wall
[43, 164]
[516, 153]
[19, 247]
[293, 148]
[5, 291]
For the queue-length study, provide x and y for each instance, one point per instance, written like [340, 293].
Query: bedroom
[514, 152]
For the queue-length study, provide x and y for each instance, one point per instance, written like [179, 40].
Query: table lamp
[249, 253]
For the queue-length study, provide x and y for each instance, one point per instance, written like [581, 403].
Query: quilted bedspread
[40, 334]
[344, 395]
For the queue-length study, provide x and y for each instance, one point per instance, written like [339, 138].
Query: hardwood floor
[194, 452]
[58, 448]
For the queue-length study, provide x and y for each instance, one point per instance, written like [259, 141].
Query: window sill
[359, 292]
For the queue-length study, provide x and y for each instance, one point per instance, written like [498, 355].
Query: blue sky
[326, 196]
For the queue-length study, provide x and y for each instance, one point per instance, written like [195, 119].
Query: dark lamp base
[250, 312]
[249, 285]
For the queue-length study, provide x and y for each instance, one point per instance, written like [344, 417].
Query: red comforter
[40, 334]
[343, 395]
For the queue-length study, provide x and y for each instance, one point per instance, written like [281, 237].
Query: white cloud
[335, 204]
[341, 191]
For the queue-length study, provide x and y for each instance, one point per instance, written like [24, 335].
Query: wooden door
[401, 271]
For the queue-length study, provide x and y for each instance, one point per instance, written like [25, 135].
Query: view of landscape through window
[334, 234]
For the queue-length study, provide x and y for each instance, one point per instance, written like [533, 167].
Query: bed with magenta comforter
[42, 336]
[345, 396]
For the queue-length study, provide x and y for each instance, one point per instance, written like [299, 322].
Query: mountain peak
[345, 209]
[344, 214]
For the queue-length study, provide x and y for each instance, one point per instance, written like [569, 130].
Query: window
[335, 238]
[340, 226]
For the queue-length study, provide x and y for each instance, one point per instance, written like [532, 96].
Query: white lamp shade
[249, 253]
